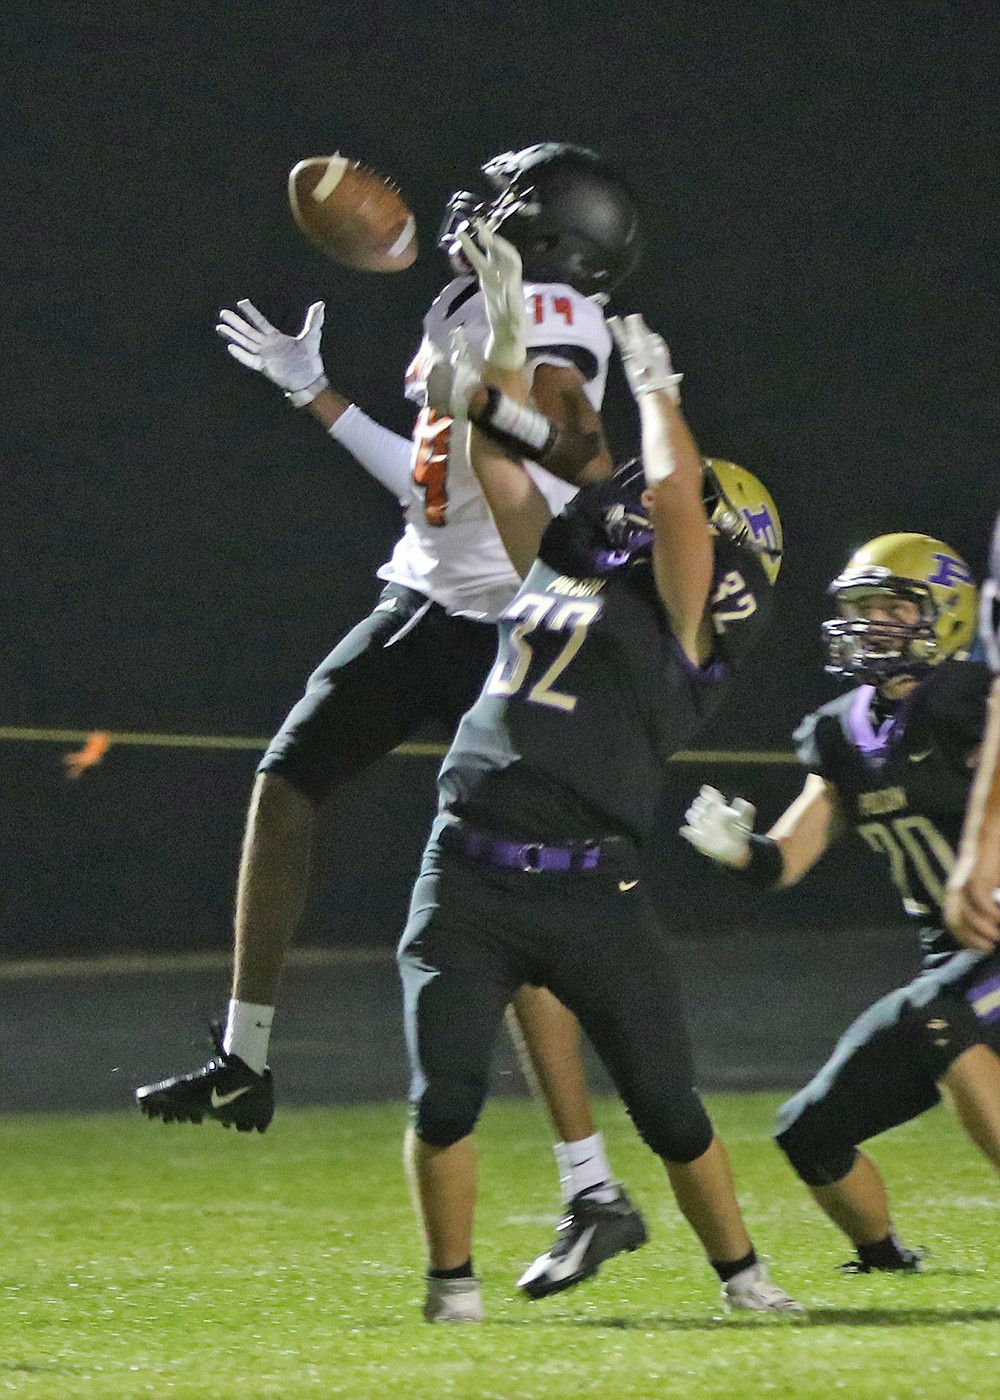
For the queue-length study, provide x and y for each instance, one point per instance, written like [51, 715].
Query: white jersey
[451, 550]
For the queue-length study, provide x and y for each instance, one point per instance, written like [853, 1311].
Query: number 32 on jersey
[570, 616]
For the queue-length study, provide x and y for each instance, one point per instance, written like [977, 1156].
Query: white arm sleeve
[382, 453]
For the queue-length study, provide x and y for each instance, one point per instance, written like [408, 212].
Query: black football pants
[886, 1066]
[476, 934]
[406, 663]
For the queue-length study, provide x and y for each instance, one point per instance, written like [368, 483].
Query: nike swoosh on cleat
[218, 1100]
[919, 757]
[571, 1261]
[624, 885]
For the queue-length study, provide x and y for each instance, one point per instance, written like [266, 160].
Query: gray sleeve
[806, 745]
[382, 453]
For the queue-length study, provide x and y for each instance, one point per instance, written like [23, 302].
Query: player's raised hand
[292, 362]
[497, 264]
[645, 358]
[453, 379]
[720, 829]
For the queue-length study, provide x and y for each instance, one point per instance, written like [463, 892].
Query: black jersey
[591, 694]
[903, 779]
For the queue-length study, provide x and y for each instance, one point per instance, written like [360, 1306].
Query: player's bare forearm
[683, 555]
[580, 452]
[805, 829]
[971, 910]
[519, 510]
[565, 452]
[981, 832]
[512, 382]
[327, 407]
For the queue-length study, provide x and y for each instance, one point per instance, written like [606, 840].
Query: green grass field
[141, 1259]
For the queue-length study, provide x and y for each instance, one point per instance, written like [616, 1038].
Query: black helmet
[569, 215]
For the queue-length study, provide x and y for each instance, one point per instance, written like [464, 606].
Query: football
[352, 214]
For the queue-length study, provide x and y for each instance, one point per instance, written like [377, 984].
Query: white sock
[248, 1032]
[589, 1168]
[561, 1153]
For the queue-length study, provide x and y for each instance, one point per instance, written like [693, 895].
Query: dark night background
[181, 549]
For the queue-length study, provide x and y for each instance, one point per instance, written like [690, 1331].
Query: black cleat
[590, 1232]
[225, 1089]
[911, 1261]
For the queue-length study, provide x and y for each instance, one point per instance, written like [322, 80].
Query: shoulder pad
[952, 700]
[821, 738]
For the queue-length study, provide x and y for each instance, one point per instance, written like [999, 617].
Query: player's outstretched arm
[683, 554]
[972, 911]
[723, 832]
[294, 363]
[573, 447]
[519, 510]
[497, 264]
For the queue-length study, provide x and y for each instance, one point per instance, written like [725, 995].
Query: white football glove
[453, 379]
[291, 361]
[718, 829]
[645, 358]
[497, 264]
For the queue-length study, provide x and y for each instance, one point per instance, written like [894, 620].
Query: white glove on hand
[497, 264]
[452, 380]
[645, 358]
[718, 829]
[291, 361]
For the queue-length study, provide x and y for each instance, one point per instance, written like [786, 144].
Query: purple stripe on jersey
[871, 741]
[712, 672]
[984, 999]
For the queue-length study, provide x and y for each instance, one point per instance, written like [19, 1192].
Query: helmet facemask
[464, 207]
[622, 516]
[876, 650]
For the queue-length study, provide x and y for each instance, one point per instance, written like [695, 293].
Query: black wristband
[522, 431]
[766, 865]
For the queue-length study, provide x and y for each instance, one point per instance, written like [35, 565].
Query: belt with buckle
[535, 857]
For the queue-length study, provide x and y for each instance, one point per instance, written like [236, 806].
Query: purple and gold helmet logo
[949, 572]
[761, 525]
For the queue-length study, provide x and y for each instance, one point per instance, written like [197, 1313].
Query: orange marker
[77, 763]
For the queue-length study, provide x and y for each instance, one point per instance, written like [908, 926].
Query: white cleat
[453, 1300]
[753, 1291]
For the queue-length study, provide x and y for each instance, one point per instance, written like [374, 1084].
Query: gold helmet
[741, 508]
[915, 567]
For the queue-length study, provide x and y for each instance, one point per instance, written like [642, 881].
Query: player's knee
[675, 1126]
[308, 781]
[814, 1158]
[447, 1110]
[304, 757]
